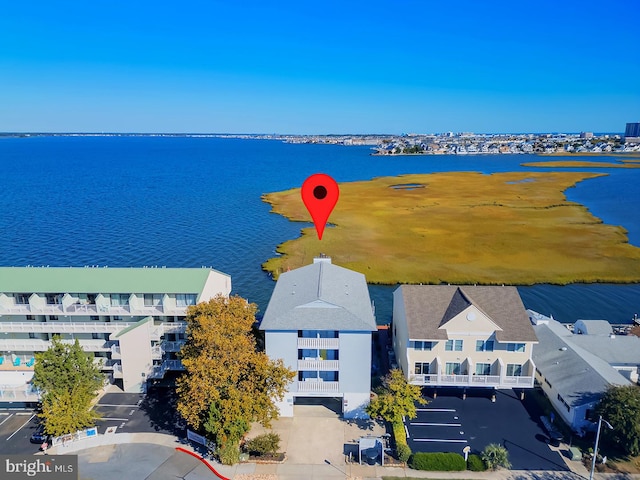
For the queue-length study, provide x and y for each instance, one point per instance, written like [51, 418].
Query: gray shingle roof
[428, 307]
[578, 375]
[593, 327]
[320, 296]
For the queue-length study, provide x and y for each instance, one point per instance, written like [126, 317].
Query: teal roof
[102, 280]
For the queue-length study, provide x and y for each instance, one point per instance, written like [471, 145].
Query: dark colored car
[38, 436]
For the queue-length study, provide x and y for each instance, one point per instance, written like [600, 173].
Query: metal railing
[22, 393]
[60, 326]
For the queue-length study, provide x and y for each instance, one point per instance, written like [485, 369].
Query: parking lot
[133, 412]
[448, 424]
[16, 427]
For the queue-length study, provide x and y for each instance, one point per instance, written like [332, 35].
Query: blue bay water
[188, 202]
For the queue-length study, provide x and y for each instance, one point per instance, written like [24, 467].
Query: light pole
[595, 449]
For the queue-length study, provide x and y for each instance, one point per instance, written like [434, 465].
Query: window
[119, 299]
[515, 347]
[152, 299]
[420, 345]
[117, 317]
[31, 317]
[421, 368]
[185, 299]
[452, 345]
[95, 336]
[483, 369]
[329, 376]
[318, 334]
[484, 346]
[94, 317]
[452, 368]
[32, 335]
[53, 317]
[514, 370]
[54, 298]
[22, 298]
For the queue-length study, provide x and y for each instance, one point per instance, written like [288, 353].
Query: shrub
[495, 456]
[475, 464]
[229, 453]
[404, 452]
[439, 462]
[265, 444]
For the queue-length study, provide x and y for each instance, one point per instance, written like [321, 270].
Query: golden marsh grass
[462, 227]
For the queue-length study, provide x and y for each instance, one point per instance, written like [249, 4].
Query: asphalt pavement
[16, 427]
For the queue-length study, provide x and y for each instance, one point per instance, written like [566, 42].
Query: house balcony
[156, 352]
[319, 343]
[319, 365]
[318, 387]
[91, 309]
[115, 352]
[60, 326]
[117, 370]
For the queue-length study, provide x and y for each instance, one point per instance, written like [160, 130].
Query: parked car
[38, 436]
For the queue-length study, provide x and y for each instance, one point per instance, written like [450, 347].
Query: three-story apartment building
[129, 319]
[319, 322]
[465, 336]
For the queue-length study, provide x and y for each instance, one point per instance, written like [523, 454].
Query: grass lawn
[462, 228]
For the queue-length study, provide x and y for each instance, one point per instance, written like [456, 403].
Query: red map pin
[320, 194]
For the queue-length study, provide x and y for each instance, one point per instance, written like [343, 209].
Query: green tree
[396, 398]
[495, 456]
[620, 406]
[69, 381]
[228, 383]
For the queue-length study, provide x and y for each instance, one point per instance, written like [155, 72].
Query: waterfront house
[463, 336]
[575, 369]
[319, 322]
[130, 319]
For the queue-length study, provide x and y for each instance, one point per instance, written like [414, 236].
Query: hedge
[438, 462]
[402, 447]
[475, 463]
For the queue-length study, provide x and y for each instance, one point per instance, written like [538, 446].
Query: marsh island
[462, 227]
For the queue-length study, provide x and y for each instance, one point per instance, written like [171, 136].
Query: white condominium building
[130, 319]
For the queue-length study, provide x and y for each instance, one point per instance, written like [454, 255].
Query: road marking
[131, 412]
[420, 424]
[114, 405]
[6, 419]
[25, 423]
[116, 419]
[406, 431]
[23, 413]
[438, 440]
[435, 409]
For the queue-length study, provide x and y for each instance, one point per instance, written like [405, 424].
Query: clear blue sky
[319, 67]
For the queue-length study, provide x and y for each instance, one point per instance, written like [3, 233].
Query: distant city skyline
[329, 68]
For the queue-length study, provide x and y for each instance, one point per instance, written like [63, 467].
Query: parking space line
[116, 419]
[420, 424]
[25, 423]
[23, 413]
[435, 409]
[406, 431]
[114, 405]
[6, 419]
[439, 440]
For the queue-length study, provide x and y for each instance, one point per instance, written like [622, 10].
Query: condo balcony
[61, 326]
[160, 370]
[319, 365]
[472, 380]
[319, 343]
[318, 387]
[34, 345]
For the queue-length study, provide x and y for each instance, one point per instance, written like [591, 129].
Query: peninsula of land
[464, 228]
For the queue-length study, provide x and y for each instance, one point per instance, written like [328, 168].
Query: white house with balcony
[130, 319]
[319, 322]
[463, 336]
